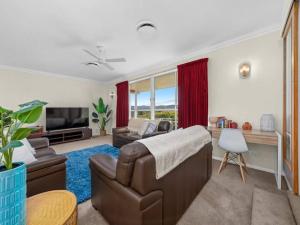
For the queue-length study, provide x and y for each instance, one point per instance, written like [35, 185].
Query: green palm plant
[102, 114]
[12, 130]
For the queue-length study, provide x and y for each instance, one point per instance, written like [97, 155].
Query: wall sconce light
[244, 70]
[112, 94]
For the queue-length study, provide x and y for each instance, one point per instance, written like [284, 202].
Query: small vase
[267, 122]
[13, 195]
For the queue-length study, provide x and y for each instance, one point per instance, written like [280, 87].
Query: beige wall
[247, 99]
[21, 86]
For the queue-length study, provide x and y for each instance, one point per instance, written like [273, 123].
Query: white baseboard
[249, 165]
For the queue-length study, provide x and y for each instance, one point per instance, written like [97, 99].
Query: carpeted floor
[223, 200]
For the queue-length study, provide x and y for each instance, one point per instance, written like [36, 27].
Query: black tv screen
[66, 118]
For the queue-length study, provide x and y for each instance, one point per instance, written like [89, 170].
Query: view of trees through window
[155, 98]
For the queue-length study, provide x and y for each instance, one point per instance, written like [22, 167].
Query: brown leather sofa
[122, 136]
[126, 192]
[48, 172]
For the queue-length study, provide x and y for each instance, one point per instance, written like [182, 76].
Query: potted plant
[101, 115]
[13, 174]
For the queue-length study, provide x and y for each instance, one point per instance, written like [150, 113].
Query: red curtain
[122, 104]
[193, 93]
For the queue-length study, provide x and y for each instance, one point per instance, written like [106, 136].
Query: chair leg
[244, 162]
[223, 161]
[241, 167]
[226, 159]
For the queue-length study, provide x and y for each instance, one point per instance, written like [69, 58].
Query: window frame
[152, 94]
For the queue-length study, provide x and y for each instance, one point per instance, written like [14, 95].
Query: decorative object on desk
[213, 120]
[233, 125]
[101, 116]
[267, 122]
[247, 126]
[244, 70]
[13, 174]
[221, 122]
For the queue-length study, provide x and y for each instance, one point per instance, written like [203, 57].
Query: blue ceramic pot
[13, 195]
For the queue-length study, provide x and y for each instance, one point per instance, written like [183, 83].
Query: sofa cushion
[128, 155]
[135, 124]
[23, 154]
[45, 162]
[164, 126]
[143, 128]
[151, 128]
[104, 164]
[44, 152]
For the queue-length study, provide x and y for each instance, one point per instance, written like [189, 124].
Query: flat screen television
[66, 118]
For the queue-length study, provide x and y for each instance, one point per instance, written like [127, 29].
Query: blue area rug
[78, 171]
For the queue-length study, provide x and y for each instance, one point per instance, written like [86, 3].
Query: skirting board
[249, 165]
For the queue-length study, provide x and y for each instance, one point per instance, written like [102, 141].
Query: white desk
[264, 138]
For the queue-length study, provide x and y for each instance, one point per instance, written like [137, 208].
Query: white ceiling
[49, 35]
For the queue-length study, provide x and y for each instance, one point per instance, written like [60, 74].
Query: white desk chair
[233, 142]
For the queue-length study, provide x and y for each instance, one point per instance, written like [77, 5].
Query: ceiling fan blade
[108, 66]
[116, 60]
[91, 54]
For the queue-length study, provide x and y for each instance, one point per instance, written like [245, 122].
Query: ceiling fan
[101, 60]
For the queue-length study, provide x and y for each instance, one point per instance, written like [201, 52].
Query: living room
[110, 115]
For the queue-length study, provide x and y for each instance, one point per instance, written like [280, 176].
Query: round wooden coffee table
[52, 208]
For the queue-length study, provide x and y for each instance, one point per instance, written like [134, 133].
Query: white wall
[19, 86]
[247, 99]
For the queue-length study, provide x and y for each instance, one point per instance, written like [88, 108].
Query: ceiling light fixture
[146, 29]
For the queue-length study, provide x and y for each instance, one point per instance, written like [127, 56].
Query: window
[155, 98]
[166, 98]
[140, 99]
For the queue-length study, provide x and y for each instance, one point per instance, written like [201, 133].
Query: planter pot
[102, 132]
[13, 195]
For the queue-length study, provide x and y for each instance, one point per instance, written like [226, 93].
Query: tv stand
[64, 136]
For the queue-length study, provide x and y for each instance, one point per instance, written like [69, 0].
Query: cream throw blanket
[171, 149]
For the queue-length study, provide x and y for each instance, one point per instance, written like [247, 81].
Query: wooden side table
[52, 208]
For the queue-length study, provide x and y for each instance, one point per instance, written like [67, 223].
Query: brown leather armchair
[48, 172]
[126, 192]
[122, 136]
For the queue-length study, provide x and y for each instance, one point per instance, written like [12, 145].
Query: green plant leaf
[95, 115]
[29, 116]
[101, 106]
[108, 113]
[30, 111]
[4, 110]
[33, 103]
[21, 133]
[12, 144]
[106, 108]
[95, 120]
[96, 107]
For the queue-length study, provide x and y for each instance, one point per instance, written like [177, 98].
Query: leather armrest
[154, 134]
[120, 130]
[45, 162]
[38, 143]
[104, 164]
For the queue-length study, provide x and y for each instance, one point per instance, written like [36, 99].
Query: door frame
[291, 167]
